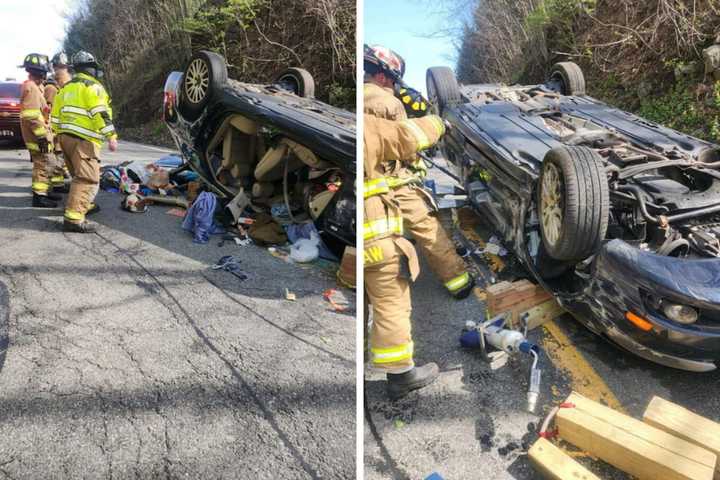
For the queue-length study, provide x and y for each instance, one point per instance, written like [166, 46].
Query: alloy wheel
[197, 80]
[552, 203]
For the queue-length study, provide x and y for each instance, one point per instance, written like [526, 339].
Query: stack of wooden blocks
[520, 298]
[671, 443]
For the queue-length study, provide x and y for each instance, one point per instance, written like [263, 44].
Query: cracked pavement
[123, 355]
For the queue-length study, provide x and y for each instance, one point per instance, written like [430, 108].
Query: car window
[9, 90]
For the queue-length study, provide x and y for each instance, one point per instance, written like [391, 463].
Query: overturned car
[257, 146]
[617, 216]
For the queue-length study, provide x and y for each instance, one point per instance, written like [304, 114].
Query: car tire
[205, 74]
[298, 81]
[442, 88]
[573, 202]
[570, 77]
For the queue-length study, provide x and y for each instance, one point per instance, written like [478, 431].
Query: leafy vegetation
[140, 41]
[645, 57]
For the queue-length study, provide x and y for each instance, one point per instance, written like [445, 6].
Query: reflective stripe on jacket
[387, 139]
[82, 108]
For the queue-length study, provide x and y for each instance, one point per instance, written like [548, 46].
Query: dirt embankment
[139, 42]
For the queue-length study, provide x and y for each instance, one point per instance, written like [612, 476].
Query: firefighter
[384, 70]
[35, 131]
[60, 65]
[388, 257]
[55, 164]
[82, 118]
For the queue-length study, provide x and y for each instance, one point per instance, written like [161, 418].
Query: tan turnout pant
[432, 240]
[388, 290]
[82, 159]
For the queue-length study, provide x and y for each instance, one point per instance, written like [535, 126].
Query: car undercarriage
[592, 199]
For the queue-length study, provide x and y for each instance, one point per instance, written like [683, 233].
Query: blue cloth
[199, 218]
[296, 231]
[169, 161]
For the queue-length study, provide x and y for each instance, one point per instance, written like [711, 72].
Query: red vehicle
[10, 113]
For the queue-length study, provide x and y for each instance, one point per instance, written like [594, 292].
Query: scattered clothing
[199, 218]
[265, 230]
[298, 231]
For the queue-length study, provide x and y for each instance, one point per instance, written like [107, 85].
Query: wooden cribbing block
[634, 447]
[519, 298]
[685, 424]
[554, 464]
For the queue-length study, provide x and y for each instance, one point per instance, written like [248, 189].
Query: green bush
[681, 109]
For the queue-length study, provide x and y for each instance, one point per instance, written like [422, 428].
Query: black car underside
[664, 186]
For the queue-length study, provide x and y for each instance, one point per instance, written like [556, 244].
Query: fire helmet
[385, 60]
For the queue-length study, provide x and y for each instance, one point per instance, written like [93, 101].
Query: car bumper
[623, 277]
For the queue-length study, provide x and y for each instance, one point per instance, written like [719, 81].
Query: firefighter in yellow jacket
[59, 170]
[383, 73]
[35, 131]
[82, 118]
[388, 256]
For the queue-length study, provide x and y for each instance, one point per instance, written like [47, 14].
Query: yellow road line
[585, 380]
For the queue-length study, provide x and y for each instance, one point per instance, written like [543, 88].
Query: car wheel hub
[551, 203]
[197, 81]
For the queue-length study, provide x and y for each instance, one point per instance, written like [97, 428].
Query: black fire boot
[400, 384]
[64, 188]
[53, 196]
[84, 227]
[465, 291]
[95, 208]
[43, 201]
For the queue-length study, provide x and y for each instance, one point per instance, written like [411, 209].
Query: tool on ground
[492, 334]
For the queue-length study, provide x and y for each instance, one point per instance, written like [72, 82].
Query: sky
[29, 26]
[401, 25]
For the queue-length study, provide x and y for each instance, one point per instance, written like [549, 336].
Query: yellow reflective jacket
[82, 108]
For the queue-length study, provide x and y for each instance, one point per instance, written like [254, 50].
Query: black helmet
[84, 59]
[36, 63]
[60, 59]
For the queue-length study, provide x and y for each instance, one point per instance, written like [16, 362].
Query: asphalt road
[123, 355]
[472, 424]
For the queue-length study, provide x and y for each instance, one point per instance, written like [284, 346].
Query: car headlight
[680, 313]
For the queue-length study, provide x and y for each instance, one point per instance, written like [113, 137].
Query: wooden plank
[504, 296]
[554, 464]
[542, 313]
[631, 445]
[683, 423]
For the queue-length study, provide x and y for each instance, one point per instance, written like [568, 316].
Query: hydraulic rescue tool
[497, 343]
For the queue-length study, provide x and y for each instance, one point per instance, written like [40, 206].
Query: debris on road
[199, 218]
[134, 203]
[290, 295]
[230, 264]
[266, 231]
[346, 274]
[337, 299]
[177, 212]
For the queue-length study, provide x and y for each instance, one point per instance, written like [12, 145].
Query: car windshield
[9, 90]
